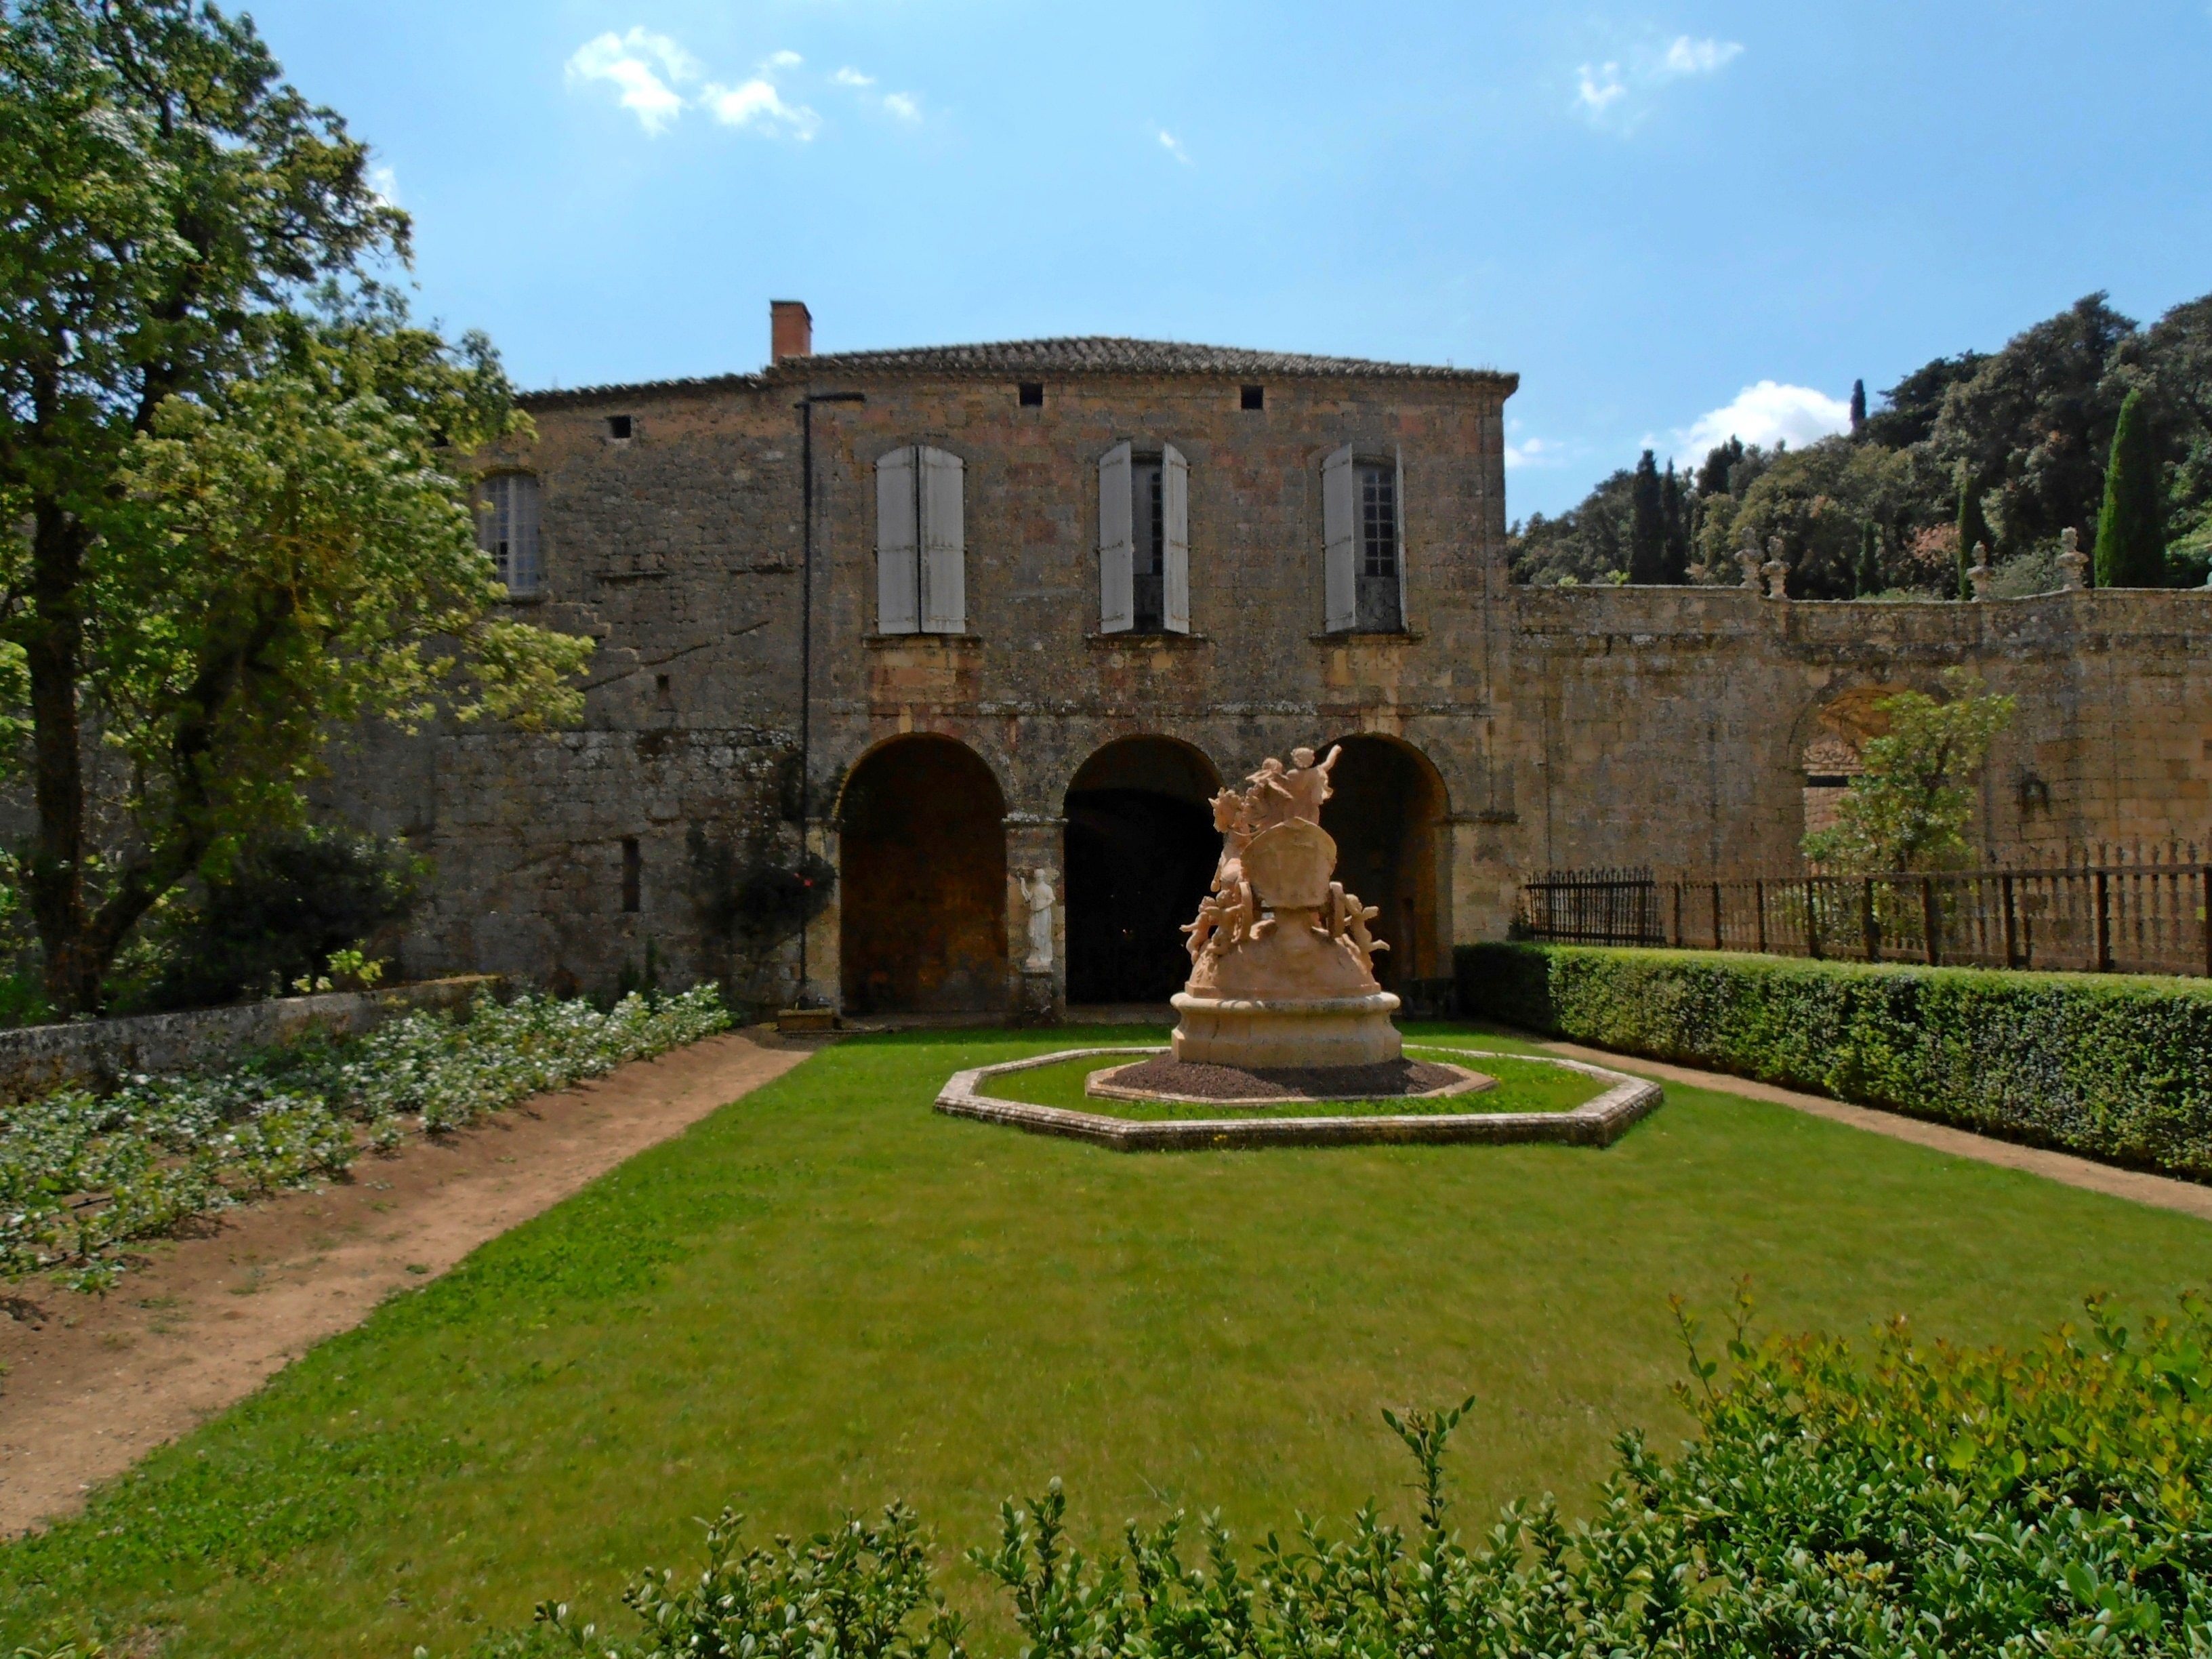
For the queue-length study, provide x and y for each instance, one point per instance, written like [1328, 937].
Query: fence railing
[2119, 915]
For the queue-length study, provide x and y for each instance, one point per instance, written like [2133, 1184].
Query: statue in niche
[1038, 891]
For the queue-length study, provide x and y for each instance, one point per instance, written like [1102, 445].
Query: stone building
[884, 634]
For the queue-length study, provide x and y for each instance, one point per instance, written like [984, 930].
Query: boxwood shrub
[2109, 1067]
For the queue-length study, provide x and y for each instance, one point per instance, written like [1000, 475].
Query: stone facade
[1504, 731]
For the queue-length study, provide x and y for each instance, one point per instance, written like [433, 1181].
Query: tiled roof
[1086, 354]
[1107, 354]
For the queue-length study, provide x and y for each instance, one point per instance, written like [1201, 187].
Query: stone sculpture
[1282, 960]
[1039, 893]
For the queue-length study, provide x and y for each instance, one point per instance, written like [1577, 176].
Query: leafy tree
[1589, 542]
[2131, 528]
[1909, 407]
[1647, 525]
[1858, 409]
[1911, 807]
[1713, 476]
[2034, 422]
[1814, 500]
[1973, 529]
[1867, 580]
[220, 442]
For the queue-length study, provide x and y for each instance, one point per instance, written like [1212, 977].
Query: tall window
[1363, 570]
[1144, 542]
[921, 582]
[507, 528]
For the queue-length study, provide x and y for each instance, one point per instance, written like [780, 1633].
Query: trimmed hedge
[2118, 1069]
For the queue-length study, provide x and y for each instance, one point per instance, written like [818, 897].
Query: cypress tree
[1973, 528]
[1866, 580]
[2131, 528]
[1675, 566]
[1858, 409]
[1647, 527]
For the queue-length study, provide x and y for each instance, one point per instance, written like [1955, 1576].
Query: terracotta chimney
[790, 330]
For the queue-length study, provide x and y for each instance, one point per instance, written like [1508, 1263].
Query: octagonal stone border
[1597, 1122]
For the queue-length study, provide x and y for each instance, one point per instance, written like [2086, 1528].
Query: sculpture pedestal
[1286, 1032]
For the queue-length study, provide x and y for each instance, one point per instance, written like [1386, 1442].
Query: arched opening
[1393, 850]
[923, 926]
[1141, 849]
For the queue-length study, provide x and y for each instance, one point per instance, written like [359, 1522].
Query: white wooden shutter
[897, 545]
[1174, 541]
[1117, 548]
[1398, 524]
[1340, 523]
[943, 543]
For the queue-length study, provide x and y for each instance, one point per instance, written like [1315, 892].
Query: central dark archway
[1387, 819]
[1141, 849]
[923, 926]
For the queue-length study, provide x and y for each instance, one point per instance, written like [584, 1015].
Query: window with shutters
[507, 528]
[921, 542]
[1144, 542]
[1364, 576]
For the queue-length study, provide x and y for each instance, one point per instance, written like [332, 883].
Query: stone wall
[36, 1060]
[1555, 728]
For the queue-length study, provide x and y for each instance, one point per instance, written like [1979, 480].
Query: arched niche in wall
[922, 924]
[1394, 850]
[1831, 738]
[1141, 851]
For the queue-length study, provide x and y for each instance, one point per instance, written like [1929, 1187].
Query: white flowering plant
[82, 1176]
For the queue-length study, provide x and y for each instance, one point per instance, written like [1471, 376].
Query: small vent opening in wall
[1032, 394]
[618, 428]
[1253, 396]
[632, 876]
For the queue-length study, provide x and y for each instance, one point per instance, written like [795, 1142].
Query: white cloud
[1536, 452]
[786, 59]
[1688, 57]
[1765, 414]
[1618, 96]
[903, 105]
[384, 185]
[1173, 145]
[757, 104]
[1599, 88]
[641, 65]
[849, 77]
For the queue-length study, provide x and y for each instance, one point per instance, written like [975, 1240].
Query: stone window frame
[1355, 600]
[496, 510]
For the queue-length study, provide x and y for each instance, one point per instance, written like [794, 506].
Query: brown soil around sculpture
[1169, 1079]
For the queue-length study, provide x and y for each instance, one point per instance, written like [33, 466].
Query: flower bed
[82, 1176]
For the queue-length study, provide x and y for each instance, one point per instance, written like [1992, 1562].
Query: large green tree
[222, 449]
[2131, 524]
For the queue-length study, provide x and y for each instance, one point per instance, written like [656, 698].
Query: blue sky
[1647, 211]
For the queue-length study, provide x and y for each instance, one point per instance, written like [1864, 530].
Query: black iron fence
[2121, 910]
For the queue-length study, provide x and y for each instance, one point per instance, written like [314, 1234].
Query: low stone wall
[37, 1058]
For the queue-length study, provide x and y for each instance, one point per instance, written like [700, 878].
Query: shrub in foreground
[1918, 1500]
[82, 1176]
[2111, 1067]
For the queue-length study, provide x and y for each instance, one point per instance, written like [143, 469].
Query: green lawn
[828, 1295]
[1524, 1085]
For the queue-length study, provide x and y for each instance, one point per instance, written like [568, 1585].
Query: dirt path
[91, 1386]
[2161, 1192]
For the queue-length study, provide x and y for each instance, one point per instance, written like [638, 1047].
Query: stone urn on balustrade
[1282, 970]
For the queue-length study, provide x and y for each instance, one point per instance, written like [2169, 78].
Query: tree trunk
[53, 645]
